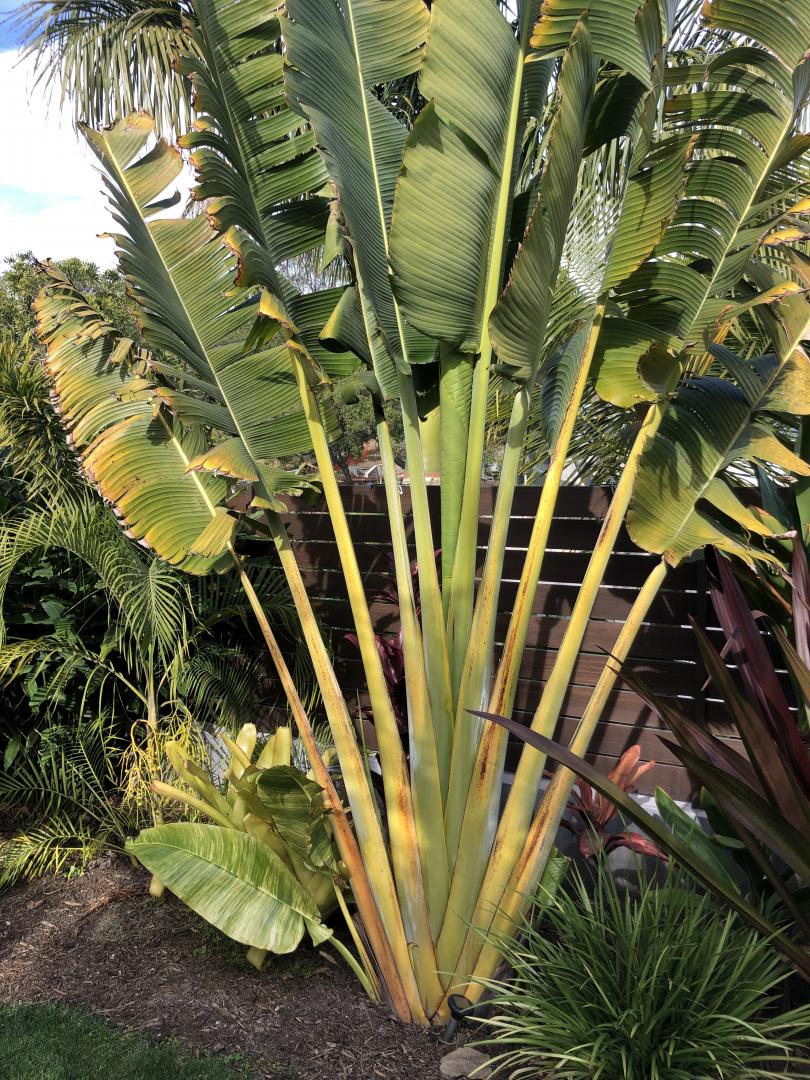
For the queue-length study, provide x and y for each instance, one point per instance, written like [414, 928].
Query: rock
[465, 1062]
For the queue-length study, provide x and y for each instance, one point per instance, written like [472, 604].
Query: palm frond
[33, 447]
[55, 661]
[219, 684]
[110, 58]
[148, 596]
[63, 794]
[50, 847]
[219, 598]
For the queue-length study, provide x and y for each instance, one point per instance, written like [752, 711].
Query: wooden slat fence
[665, 653]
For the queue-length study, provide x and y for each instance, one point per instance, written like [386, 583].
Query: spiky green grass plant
[657, 986]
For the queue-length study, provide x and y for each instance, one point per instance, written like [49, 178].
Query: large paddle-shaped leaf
[681, 500]
[456, 176]
[784, 32]
[296, 807]
[628, 35]
[335, 55]
[518, 323]
[741, 108]
[256, 163]
[264, 182]
[181, 274]
[242, 116]
[232, 880]
[131, 447]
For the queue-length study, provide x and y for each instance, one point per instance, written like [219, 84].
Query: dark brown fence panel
[665, 653]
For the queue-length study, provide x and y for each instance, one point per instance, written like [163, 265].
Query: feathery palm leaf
[33, 448]
[63, 796]
[149, 598]
[218, 684]
[110, 58]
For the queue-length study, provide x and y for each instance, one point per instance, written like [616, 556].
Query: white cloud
[51, 199]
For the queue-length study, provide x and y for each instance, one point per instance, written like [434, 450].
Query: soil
[98, 940]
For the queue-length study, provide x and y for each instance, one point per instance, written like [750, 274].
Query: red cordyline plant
[594, 812]
[758, 804]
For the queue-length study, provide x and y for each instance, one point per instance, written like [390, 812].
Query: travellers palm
[571, 207]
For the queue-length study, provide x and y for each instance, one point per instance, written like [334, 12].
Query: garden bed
[98, 941]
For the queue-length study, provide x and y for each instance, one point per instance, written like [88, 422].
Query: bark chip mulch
[97, 940]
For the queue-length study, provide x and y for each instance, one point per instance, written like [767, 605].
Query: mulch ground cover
[98, 941]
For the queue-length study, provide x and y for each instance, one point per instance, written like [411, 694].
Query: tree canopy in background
[20, 281]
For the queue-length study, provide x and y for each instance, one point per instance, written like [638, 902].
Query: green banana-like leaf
[741, 109]
[181, 274]
[633, 362]
[626, 34]
[233, 881]
[131, 447]
[559, 382]
[605, 240]
[646, 206]
[737, 179]
[681, 501]
[162, 416]
[334, 56]
[452, 181]
[311, 312]
[572, 308]
[785, 35]
[295, 804]
[255, 158]
[518, 323]
[785, 316]
[653, 194]
[266, 184]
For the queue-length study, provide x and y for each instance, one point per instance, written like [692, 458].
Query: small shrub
[653, 987]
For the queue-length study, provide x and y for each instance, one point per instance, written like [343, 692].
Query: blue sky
[50, 200]
[8, 34]
[50, 189]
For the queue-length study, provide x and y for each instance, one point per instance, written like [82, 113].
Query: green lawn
[49, 1042]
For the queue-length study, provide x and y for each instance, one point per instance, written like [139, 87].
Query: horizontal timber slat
[665, 653]
[574, 534]
[370, 499]
[657, 642]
